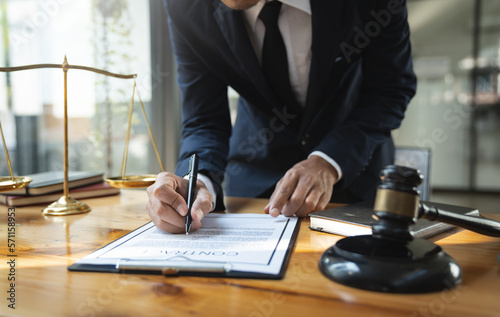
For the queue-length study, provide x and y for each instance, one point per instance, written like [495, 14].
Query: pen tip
[187, 233]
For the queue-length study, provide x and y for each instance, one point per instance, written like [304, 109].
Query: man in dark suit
[323, 135]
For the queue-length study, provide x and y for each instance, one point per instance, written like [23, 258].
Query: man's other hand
[305, 188]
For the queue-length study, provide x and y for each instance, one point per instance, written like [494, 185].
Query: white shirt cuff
[210, 186]
[329, 160]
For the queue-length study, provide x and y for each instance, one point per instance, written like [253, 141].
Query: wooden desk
[46, 246]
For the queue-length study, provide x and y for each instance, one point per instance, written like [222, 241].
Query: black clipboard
[182, 266]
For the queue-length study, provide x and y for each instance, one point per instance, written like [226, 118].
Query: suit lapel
[326, 22]
[326, 25]
[233, 28]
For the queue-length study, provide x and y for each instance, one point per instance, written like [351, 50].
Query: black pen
[193, 173]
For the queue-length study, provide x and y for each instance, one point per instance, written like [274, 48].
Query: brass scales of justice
[66, 205]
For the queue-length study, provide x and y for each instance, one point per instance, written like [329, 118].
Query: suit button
[304, 139]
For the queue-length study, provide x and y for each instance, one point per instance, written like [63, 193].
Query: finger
[267, 208]
[170, 189]
[203, 203]
[310, 204]
[170, 228]
[298, 199]
[164, 217]
[317, 199]
[324, 200]
[281, 194]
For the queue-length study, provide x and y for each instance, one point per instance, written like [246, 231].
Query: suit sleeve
[206, 124]
[387, 87]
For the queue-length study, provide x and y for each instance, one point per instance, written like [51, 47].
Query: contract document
[233, 245]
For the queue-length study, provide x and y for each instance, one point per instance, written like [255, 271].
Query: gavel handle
[477, 224]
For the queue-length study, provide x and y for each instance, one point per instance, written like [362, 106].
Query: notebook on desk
[227, 245]
[357, 219]
[53, 181]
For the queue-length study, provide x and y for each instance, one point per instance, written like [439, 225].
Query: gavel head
[396, 202]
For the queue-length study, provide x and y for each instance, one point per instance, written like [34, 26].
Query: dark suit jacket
[361, 80]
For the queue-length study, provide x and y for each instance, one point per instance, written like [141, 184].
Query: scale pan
[132, 181]
[7, 183]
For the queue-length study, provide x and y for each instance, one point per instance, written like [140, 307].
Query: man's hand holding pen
[168, 207]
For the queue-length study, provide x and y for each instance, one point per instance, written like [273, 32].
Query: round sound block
[384, 265]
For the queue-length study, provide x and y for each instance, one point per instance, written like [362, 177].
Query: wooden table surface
[46, 246]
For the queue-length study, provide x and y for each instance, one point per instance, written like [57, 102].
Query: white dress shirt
[294, 23]
[295, 26]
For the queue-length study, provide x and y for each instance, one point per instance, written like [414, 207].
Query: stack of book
[48, 187]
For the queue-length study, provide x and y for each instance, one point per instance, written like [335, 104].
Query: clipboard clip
[172, 266]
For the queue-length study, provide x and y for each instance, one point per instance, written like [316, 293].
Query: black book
[50, 182]
[358, 218]
[87, 191]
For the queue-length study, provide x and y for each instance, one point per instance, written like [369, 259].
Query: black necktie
[274, 58]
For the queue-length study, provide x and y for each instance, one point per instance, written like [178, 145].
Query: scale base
[369, 263]
[66, 206]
